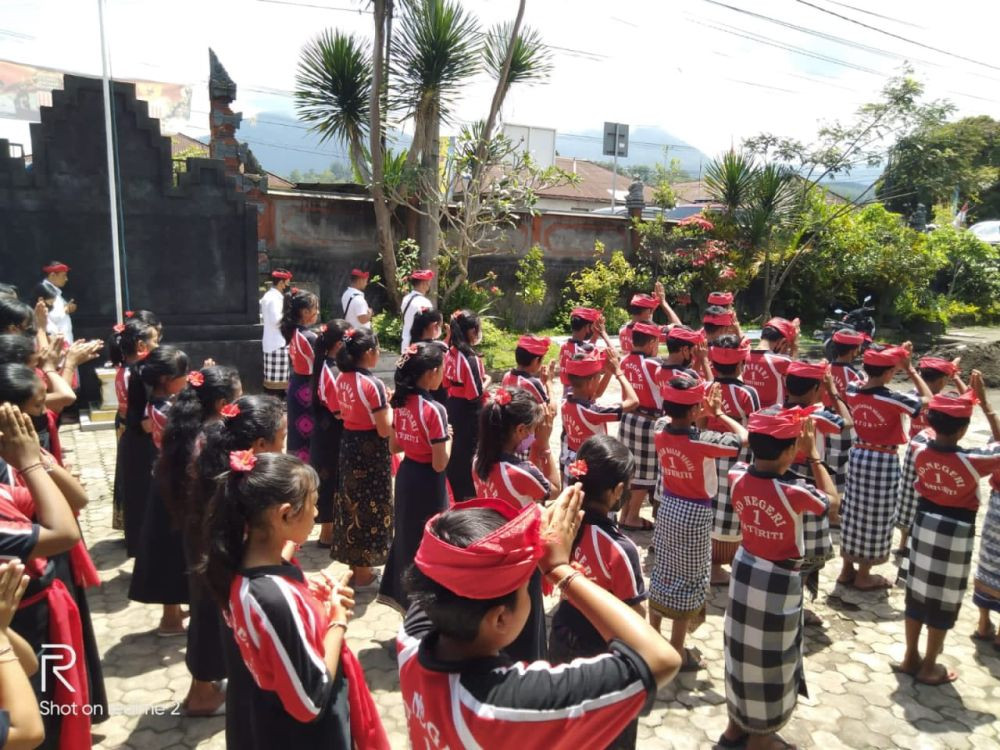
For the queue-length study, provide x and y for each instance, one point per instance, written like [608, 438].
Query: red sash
[84, 572]
[367, 732]
[64, 627]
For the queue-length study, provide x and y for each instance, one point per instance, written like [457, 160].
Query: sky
[711, 72]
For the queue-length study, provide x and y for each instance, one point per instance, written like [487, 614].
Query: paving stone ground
[855, 699]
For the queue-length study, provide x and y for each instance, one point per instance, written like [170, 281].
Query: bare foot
[871, 583]
[811, 618]
[204, 699]
[940, 675]
[910, 667]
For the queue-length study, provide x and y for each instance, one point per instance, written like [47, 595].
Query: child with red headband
[687, 355]
[683, 537]
[847, 345]
[641, 307]
[728, 355]
[763, 622]
[869, 505]
[531, 374]
[944, 529]
[586, 327]
[720, 317]
[779, 344]
[469, 585]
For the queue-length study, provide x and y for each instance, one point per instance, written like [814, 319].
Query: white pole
[614, 172]
[112, 184]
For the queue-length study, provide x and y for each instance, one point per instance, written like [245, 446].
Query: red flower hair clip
[229, 411]
[295, 290]
[242, 461]
[130, 313]
[322, 328]
[196, 378]
[118, 327]
[577, 469]
[349, 334]
[501, 397]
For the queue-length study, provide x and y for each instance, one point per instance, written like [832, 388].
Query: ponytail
[609, 463]
[163, 363]
[504, 410]
[123, 343]
[330, 338]
[296, 301]
[463, 321]
[16, 348]
[357, 342]
[416, 361]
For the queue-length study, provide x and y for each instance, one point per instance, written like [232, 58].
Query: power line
[878, 15]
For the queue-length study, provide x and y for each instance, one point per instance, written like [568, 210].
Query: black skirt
[300, 415]
[32, 624]
[532, 645]
[324, 456]
[421, 493]
[463, 416]
[160, 572]
[362, 519]
[206, 633]
[133, 476]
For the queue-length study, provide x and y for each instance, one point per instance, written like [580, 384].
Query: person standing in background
[415, 301]
[356, 309]
[56, 276]
[273, 343]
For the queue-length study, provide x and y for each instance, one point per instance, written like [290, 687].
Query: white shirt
[413, 303]
[271, 305]
[59, 320]
[354, 304]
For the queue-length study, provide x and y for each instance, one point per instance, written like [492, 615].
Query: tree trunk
[430, 220]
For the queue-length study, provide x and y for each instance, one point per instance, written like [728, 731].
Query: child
[986, 587]
[581, 416]
[686, 355]
[719, 321]
[869, 506]
[642, 371]
[513, 422]
[469, 585]
[308, 690]
[728, 355]
[641, 307]
[603, 553]
[763, 622]
[722, 299]
[363, 518]
[298, 316]
[467, 383]
[159, 575]
[324, 444]
[944, 529]
[678, 586]
[847, 345]
[531, 374]
[426, 328]
[420, 431]
[779, 344]
[586, 326]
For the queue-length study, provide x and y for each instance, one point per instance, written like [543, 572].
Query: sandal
[645, 525]
[989, 635]
[691, 662]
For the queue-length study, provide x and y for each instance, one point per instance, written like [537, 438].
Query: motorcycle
[860, 319]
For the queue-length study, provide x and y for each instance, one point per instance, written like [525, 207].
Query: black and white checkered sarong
[637, 434]
[678, 586]
[763, 642]
[906, 502]
[838, 452]
[726, 524]
[869, 506]
[939, 562]
[276, 369]
[817, 544]
[988, 570]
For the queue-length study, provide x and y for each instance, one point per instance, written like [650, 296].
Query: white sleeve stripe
[624, 555]
[465, 735]
[245, 605]
[597, 552]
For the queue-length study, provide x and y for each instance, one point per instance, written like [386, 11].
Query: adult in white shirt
[356, 310]
[273, 343]
[56, 276]
[415, 301]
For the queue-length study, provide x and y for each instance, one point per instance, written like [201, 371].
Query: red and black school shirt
[156, 413]
[18, 535]
[420, 424]
[567, 351]
[611, 560]
[765, 371]
[582, 418]
[464, 374]
[533, 385]
[949, 476]
[881, 416]
[770, 508]
[844, 374]
[513, 480]
[643, 374]
[360, 396]
[301, 352]
[327, 388]
[687, 459]
[739, 401]
[491, 702]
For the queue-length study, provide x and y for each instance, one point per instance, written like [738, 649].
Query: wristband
[337, 624]
[561, 586]
[812, 460]
[36, 465]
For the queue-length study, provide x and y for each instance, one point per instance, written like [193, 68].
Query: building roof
[180, 142]
[595, 183]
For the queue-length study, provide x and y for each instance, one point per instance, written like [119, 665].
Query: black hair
[324, 347]
[840, 350]
[16, 347]
[426, 356]
[640, 340]
[43, 291]
[772, 334]
[874, 371]
[453, 615]
[797, 385]
[423, 320]
[8, 291]
[162, 363]
[609, 462]
[240, 503]
[296, 301]
[461, 323]
[524, 358]
[929, 374]
[635, 309]
[16, 314]
[946, 424]
[768, 447]
[18, 383]
[728, 341]
[578, 324]
[357, 342]
[674, 345]
[185, 420]
[146, 316]
[124, 345]
[675, 410]
[711, 328]
[497, 422]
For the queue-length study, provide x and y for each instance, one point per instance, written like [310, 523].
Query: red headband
[724, 356]
[650, 329]
[644, 300]
[890, 356]
[587, 313]
[720, 319]
[688, 396]
[359, 273]
[281, 274]
[685, 334]
[853, 338]
[808, 370]
[780, 423]
[534, 344]
[786, 328]
[55, 268]
[422, 274]
[954, 406]
[723, 299]
[590, 364]
[497, 564]
[941, 365]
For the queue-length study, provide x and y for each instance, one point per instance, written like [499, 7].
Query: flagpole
[112, 181]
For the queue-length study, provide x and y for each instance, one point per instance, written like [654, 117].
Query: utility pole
[615, 145]
[109, 138]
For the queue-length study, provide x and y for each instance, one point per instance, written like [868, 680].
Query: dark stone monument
[189, 246]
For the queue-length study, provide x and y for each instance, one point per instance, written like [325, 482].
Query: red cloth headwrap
[497, 564]
[853, 338]
[280, 274]
[941, 365]
[721, 319]
[780, 423]
[809, 370]
[357, 272]
[590, 364]
[587, 313]
[55, 268]
[422, 274]
[724, 356]
[723, 299]
[685, 334]
[786, 328]
[954, 406]
[644, 300]
[890, 356]
[689, 396]
[650, 329]
[534, 344]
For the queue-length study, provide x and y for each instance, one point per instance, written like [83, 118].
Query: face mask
[525, 445]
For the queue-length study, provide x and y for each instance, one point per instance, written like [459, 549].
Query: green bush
[530, 275]
[972, 270]
[389, 329]
[600, 285]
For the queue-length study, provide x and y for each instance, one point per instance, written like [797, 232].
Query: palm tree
[729, 180]
[333, 90]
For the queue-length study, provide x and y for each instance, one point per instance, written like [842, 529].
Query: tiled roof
[180, 142]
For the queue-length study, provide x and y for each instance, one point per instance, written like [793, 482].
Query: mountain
[645, 147]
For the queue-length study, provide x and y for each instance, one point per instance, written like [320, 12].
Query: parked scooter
[860, 319]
